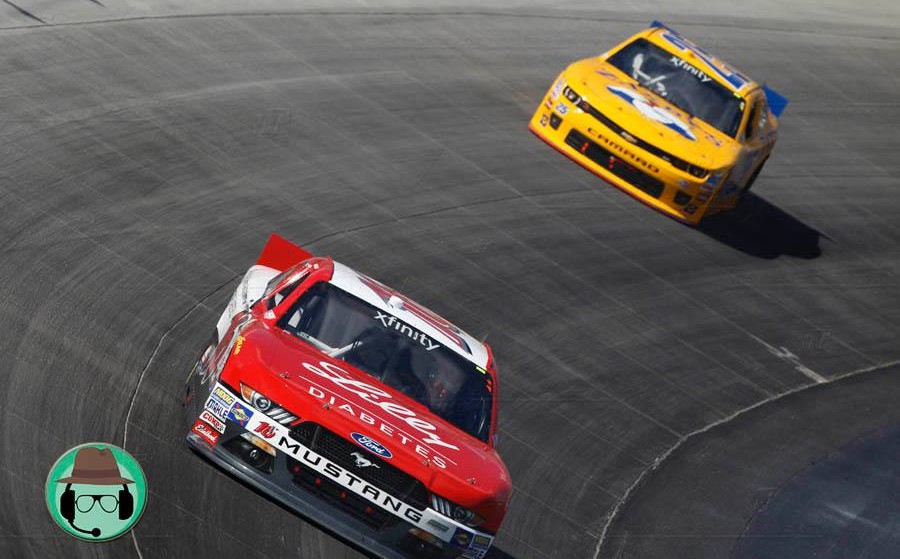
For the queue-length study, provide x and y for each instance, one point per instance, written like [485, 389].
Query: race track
[660, 384]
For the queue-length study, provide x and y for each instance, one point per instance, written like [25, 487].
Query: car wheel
[752, 178]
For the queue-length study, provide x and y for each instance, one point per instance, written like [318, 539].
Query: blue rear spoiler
[656, 24]
[777, 102]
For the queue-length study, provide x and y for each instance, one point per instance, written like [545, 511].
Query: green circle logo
[96, 492]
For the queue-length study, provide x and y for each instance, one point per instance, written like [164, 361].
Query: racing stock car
[354, 406]
[664, 121]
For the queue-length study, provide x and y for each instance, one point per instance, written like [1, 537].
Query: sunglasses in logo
[85, 503]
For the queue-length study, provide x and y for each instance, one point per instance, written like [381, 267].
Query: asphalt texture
[665, 390]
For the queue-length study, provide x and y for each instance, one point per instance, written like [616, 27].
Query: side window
[275, 298]
[750, 130]
[285, 291]
[273, 283]
[763, 113]
[756, 122]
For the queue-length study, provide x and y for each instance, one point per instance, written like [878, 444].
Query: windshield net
[403, 357]
[680, 83]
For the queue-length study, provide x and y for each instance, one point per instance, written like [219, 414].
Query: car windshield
[680, 83]
[405, 358]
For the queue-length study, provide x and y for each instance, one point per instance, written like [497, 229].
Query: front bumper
[642, 175]
[380, 534]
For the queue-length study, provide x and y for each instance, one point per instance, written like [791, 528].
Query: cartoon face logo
[653, 111]
[96, 492]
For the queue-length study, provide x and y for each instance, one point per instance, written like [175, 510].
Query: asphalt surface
[145, 161]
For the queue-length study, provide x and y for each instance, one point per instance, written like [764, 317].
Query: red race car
[354, 406]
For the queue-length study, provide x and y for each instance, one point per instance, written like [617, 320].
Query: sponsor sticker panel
[240, 414]
[212, 420]
[206, 432]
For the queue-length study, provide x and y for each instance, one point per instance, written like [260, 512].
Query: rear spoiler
[656, 24]
[777, 102]
[280, 254]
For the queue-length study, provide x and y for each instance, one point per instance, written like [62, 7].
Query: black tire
[192, 388]
[752, 178]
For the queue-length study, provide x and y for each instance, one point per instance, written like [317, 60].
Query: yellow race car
[664, 121]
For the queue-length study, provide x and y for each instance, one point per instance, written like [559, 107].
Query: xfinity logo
[449, 330]
[389, 321]
[362, 461]
[679, 63]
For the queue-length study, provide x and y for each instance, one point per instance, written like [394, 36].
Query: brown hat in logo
[95, 466]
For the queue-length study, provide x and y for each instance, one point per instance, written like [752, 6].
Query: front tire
[752, 178]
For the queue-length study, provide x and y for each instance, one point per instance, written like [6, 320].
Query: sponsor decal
[371, 445]
[217, 408]
[219, 403]
[735, 78]
[462, 537]
[482, 540]
[613, 146]
[706, 191]
[390, 321]
[557, 88]
[561, 108]
[652, 111]
[206, 432]
[363, 462]
[696, 72]
[380, 398]
[282, 440]
[438, 525]
[223, 396]
[239, 414]
[238, 344]
[211, 419]
[440, 324]
[318, 463]
[265, 430]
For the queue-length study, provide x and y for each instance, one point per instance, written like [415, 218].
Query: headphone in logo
[95, 466]
[125, 504]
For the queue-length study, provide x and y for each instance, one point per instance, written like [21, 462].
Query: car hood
[649, 116]
[332, 393]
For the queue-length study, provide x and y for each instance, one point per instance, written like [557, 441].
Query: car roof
[416, 315]
[724, 74]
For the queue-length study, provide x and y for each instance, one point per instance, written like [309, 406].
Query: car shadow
[759, 228]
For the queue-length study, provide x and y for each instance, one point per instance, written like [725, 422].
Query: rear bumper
[380, 534]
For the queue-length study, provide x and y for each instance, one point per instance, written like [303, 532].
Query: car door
[754, 147]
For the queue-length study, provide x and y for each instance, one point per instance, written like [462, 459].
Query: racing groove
[145, 162]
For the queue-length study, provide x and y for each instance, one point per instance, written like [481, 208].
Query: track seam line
[661, 459]
[137, 387]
